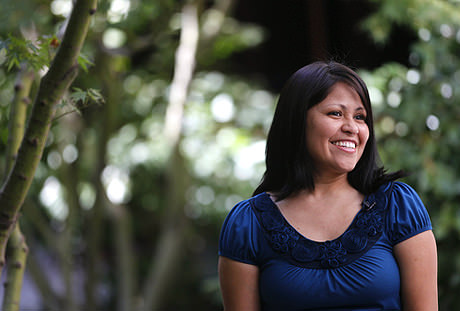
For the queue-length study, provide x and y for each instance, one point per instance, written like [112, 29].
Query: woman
[327, 229]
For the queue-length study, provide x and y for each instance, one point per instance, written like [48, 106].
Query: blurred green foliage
[132, 46]
[418, 117]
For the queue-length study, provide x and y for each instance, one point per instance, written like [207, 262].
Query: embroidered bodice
[364, 231]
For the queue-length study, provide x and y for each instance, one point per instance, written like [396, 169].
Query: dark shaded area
[302, 31]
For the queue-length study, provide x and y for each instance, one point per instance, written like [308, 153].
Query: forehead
[342, 94]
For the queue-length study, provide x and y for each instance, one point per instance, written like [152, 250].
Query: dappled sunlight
[208, 82]
[432, 122]
[446, 90]
[114, 38]
[54, 159]
[424, 34]
[209, 161]
[87, 195]
[51, 196]
[252, 36]
[212, 21]
[446, 30]
[387, 125]
[61, 7]
[394, 99]
[396, 84]
[175, 22]
[222, 108]
[117, 184]
[261, 99]
[128, 148]
[413, 76]
[118, 10]
[204, 195]
[140, 153]
[401, 129]
[146, 93]
[227, 138]
[70, 153]
[132, 84]
[247, 159]
[375, 95]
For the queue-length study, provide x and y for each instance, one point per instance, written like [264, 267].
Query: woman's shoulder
[404, 189]
[406, 213]
[397, 189]
[244, 208]
[240, 231]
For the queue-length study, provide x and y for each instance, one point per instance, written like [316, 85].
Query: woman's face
[336, 131]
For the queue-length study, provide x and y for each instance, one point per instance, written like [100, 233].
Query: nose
[349, 126]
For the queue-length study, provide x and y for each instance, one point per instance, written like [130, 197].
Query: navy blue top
[356, 271]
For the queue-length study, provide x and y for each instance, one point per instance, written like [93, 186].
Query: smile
[346, 144]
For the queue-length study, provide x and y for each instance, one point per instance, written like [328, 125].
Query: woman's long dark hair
[289, 165]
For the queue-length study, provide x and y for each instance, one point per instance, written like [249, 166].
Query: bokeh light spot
[432, 122]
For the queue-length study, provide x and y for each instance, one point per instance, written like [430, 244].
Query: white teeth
[347, 144]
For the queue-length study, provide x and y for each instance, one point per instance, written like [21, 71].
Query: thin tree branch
[18, 115]
[124, 256]
[57, 80]
[17, 247]
[171, 238]
[49, 297]
[17, 251]
[68, 174]
[183, 72]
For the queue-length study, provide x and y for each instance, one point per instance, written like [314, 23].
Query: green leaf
[78, 95]
[35, 54]
[83, 61]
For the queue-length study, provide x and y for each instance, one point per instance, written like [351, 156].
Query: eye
[334, 113]
[361, 117]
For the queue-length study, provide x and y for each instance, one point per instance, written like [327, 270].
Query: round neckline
[289, 225]
[284, 240]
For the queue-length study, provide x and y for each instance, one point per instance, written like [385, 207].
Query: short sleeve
[407, 216]
[238, 237]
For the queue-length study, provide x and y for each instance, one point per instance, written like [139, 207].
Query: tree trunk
[50, 299]
[68, 174]
[17, 256]
[105, 127]
[170, 244]
[17, 247]
[171, 238]
[124, 255]
[57, 80]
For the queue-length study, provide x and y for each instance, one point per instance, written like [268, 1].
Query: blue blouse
[356, 271]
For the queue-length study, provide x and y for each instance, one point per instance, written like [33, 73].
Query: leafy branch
[36, 54]
[53, 85]
[81, 99]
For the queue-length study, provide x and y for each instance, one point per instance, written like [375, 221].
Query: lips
[345, 143]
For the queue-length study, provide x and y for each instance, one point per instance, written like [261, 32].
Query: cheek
[364, 135]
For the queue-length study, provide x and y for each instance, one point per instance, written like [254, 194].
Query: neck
[325, 186]
[327, 193]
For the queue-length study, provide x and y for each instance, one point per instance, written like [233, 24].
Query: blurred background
[126, 206]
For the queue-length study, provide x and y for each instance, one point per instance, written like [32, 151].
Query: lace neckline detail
[364, 231]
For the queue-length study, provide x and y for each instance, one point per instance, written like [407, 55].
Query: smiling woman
[336, 130]
[327, 228]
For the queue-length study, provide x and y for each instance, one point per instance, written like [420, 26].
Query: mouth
[345, 144]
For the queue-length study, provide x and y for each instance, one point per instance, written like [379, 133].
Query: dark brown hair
[289, 166]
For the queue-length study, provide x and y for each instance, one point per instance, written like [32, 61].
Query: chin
[346, 169]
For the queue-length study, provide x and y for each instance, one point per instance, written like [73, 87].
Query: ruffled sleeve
[238, 237]
[407, 216]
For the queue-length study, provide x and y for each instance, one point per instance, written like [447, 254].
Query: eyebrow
[345, 107]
